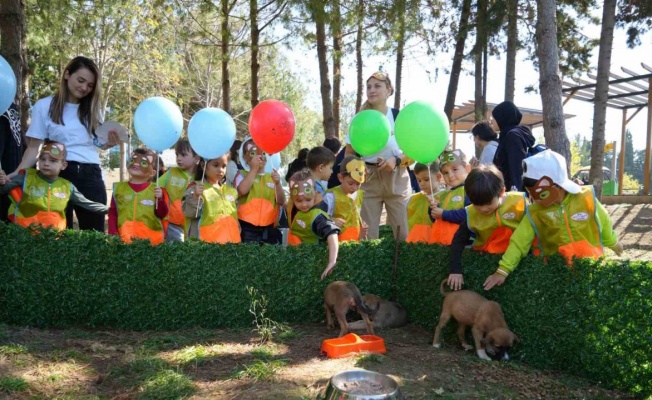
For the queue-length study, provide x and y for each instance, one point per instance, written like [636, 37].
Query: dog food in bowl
[362, 385]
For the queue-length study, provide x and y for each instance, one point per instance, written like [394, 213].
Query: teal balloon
[421, 131]
[211, 132]
[158, 123]
[7, 85]
[369, 132]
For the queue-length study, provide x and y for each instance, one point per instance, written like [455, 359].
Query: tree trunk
[225, 38]
[400, 51]
[336, 28]
[478, 52]
[457, 59]
[512, 47]
[601, 95]
[549, 81]
[319, 16]
[255, 39]
[13, 49]
[358, 56]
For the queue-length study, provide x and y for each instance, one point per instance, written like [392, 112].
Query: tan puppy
[339, 297]
[389, 314]
[486, 319]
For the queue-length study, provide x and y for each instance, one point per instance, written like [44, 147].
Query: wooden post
[454, 134]
[621, 161]
[648, 153]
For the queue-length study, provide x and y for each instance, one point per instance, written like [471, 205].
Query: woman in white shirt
[70, 116]
[388, 182]
[485, 138]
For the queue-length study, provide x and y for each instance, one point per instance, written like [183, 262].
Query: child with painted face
[345, 200]
[447, 209]
[491, 218]
[209, 204]
[40, 197]
[310, 223]
[138, 207]
[418, 208]
[260, 196]
[175, 181]
[565, 218]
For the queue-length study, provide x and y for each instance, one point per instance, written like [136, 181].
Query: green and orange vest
[258, 207]
[136, 214]
[493, 231]
[419, 222]
[442, 232]
[348, 209]
[301, 226]
[175, 181]
[218, 221]
[40, 202]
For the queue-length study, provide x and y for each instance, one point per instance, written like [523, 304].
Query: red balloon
[272, 125]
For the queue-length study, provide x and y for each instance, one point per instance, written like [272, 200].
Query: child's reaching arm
[78, 199]
[460, 240]
[456, 216]
[519, 246]
[333, 248]
[244, 186]
[325, 228]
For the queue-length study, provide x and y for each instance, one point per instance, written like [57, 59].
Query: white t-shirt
[390, 150]
[73, 134]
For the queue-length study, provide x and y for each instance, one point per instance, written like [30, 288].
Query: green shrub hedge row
[592, 320]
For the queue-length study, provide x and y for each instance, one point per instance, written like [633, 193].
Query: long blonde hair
[89, 105]
[381, 76]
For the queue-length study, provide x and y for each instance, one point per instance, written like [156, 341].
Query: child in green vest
[418, 208]
[491, 218]
[309, 223]
[344, 201]
[261, 196]
[138, 207]
[565, 218]
[447, 209]
[40, 197]
[209, 204]
[175, 181]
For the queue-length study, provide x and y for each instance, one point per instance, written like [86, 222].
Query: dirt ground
[230, 364]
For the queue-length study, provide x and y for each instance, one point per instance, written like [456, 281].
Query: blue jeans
[87, 178]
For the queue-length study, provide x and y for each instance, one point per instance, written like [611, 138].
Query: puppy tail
[442, 287]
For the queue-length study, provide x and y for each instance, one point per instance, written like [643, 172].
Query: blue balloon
[158, 123]
[273, 163]
[7, 85]
[211, 132]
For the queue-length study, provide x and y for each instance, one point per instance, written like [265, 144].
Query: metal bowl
[360, 384]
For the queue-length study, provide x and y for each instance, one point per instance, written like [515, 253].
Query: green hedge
[592, 320]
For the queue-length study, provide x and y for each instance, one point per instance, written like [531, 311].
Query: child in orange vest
[138, 207]
[345, 200]
[490, 220]
[260, 193]
[309, 223]
[418, 210]
[210, 208]
[447, 209]
[565, 218]
[40, 197]
[175, 181]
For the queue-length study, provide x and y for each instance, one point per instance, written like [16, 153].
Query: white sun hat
[550, 164]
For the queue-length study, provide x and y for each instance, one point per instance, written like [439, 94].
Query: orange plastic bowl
[351, 344]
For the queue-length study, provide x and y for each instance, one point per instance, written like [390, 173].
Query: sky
[419, 84]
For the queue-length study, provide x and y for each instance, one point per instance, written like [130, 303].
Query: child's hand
[199, 189]
[257, 163]
[276, 177]
[494, 279]
[387, 165]
[3, 177]
[327, 271]
[158, 192]
[339, 222]
[455, 281]
[436, 212]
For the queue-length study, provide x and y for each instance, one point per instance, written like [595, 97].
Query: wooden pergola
[463, 117]
[633, 92]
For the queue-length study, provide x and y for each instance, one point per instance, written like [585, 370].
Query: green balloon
[369, 132]
[421, 131]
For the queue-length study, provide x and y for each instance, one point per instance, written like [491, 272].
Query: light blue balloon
[273, 163]
[211, 132]
[158, 123]
[7, 85]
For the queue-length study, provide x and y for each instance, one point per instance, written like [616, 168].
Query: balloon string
[203, 173]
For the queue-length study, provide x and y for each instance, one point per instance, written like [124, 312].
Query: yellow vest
[492, 232]
[175, 181]
[218, 222]
[349, 210]
[571, 229]
[442, 232]
[419, 222]
[301, 227]
[136, 214]
[258, 207]
[41, 202]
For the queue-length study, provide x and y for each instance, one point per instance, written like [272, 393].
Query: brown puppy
[339, 297]
[389, 315]
[490, 332]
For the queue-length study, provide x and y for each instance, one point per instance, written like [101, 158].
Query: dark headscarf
[506, 115]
